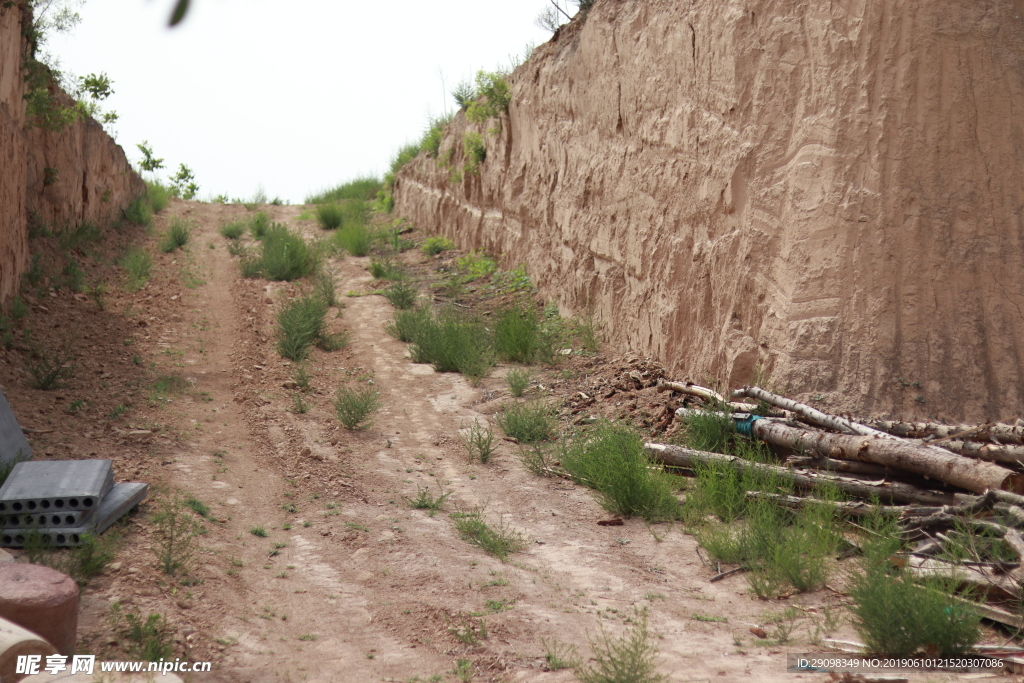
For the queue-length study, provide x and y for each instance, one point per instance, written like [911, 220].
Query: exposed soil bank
[832, 190]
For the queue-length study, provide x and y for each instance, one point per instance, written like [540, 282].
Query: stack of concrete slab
[63, 499]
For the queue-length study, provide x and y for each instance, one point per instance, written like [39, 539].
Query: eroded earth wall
[834, 190]
[59, 179]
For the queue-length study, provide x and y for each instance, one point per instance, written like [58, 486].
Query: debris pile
[61, 500]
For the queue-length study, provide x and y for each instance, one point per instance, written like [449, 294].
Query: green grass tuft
[300, 324]
[402, 294]
[518, 380]
[354, 407]
[233, 230]
[433, 246]
[177, 235]
[631, 658]
[499, 541]
[363, 188]
[285, 256]
[478, 440]
[610, 459]
[528, 422]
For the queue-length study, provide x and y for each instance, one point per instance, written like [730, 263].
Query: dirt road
[349, 583]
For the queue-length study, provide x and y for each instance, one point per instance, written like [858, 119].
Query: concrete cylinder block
[42, 600]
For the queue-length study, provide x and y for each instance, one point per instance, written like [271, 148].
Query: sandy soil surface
[350, 584]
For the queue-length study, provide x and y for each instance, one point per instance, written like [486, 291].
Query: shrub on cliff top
[493, 97]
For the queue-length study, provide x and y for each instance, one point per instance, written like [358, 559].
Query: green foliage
[149, 162]
[430, 144]
[259, 225]
[475, 265]
[354, 238]
[464, 94]
[174, 532]
[610, 459]
[517, 379]
[183, 183]
[410, 324]
[894, 615]
[285, 256]
[137, 265]
[46, 367]
[516, 280]
[301, 324]
[478, 439]
[493, 97]
[329, 216]
[433, 246]
[632, 658]
[499, 541]
[364, 188]
[528, 422]
[233, 230]
[559, 655]
[258, 531]
[449, 342]
[385, 269]
[402, 294]
[158, 196]
[82, 562]
[475, 151]
[521, 337]
[199, 507]
[425, 500]
[404, 155]
[354, 407]
[151, 639]
[177, 235]
[139, 212]
[324, 287]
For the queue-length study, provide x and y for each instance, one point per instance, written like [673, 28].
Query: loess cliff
[58, 179]
[832, 190]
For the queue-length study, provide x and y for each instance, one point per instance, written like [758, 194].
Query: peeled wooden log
[1001, 432]
[984, 579]
[687, 458]
[851, 508]
[840, 424]
[705, 393]
[1010, 455]
[928, 461]
[832, 465]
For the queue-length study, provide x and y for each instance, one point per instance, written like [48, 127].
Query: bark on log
[981, 578]
[852, 508]
[840, 424]
[687, 458]
[931, 462]
[1003, 433]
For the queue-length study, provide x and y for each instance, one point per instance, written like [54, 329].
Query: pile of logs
[933, 477]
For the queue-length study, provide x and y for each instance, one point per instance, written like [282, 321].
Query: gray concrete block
[45, 519]
[46, 486]
[122, 498]
[13, 444]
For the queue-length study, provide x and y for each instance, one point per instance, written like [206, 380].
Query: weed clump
[354, 407]
[329, 216]
[521, 337]
[285, 255]
[48, 368]
[137, 265]
[433, 246]
[493, 96]
[233, 230]
[896, 615]
[150, 639]
[499, 541]
[449, 342]
[174, 534]
[177, 235]
[302, 324]
[425, 500]
[139, 212]
[478, 440]
[528, 422]
[610, 459]
[518, 380]
[631, 658]
[402, 294]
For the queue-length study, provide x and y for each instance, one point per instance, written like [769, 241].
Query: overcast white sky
[295, 95]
